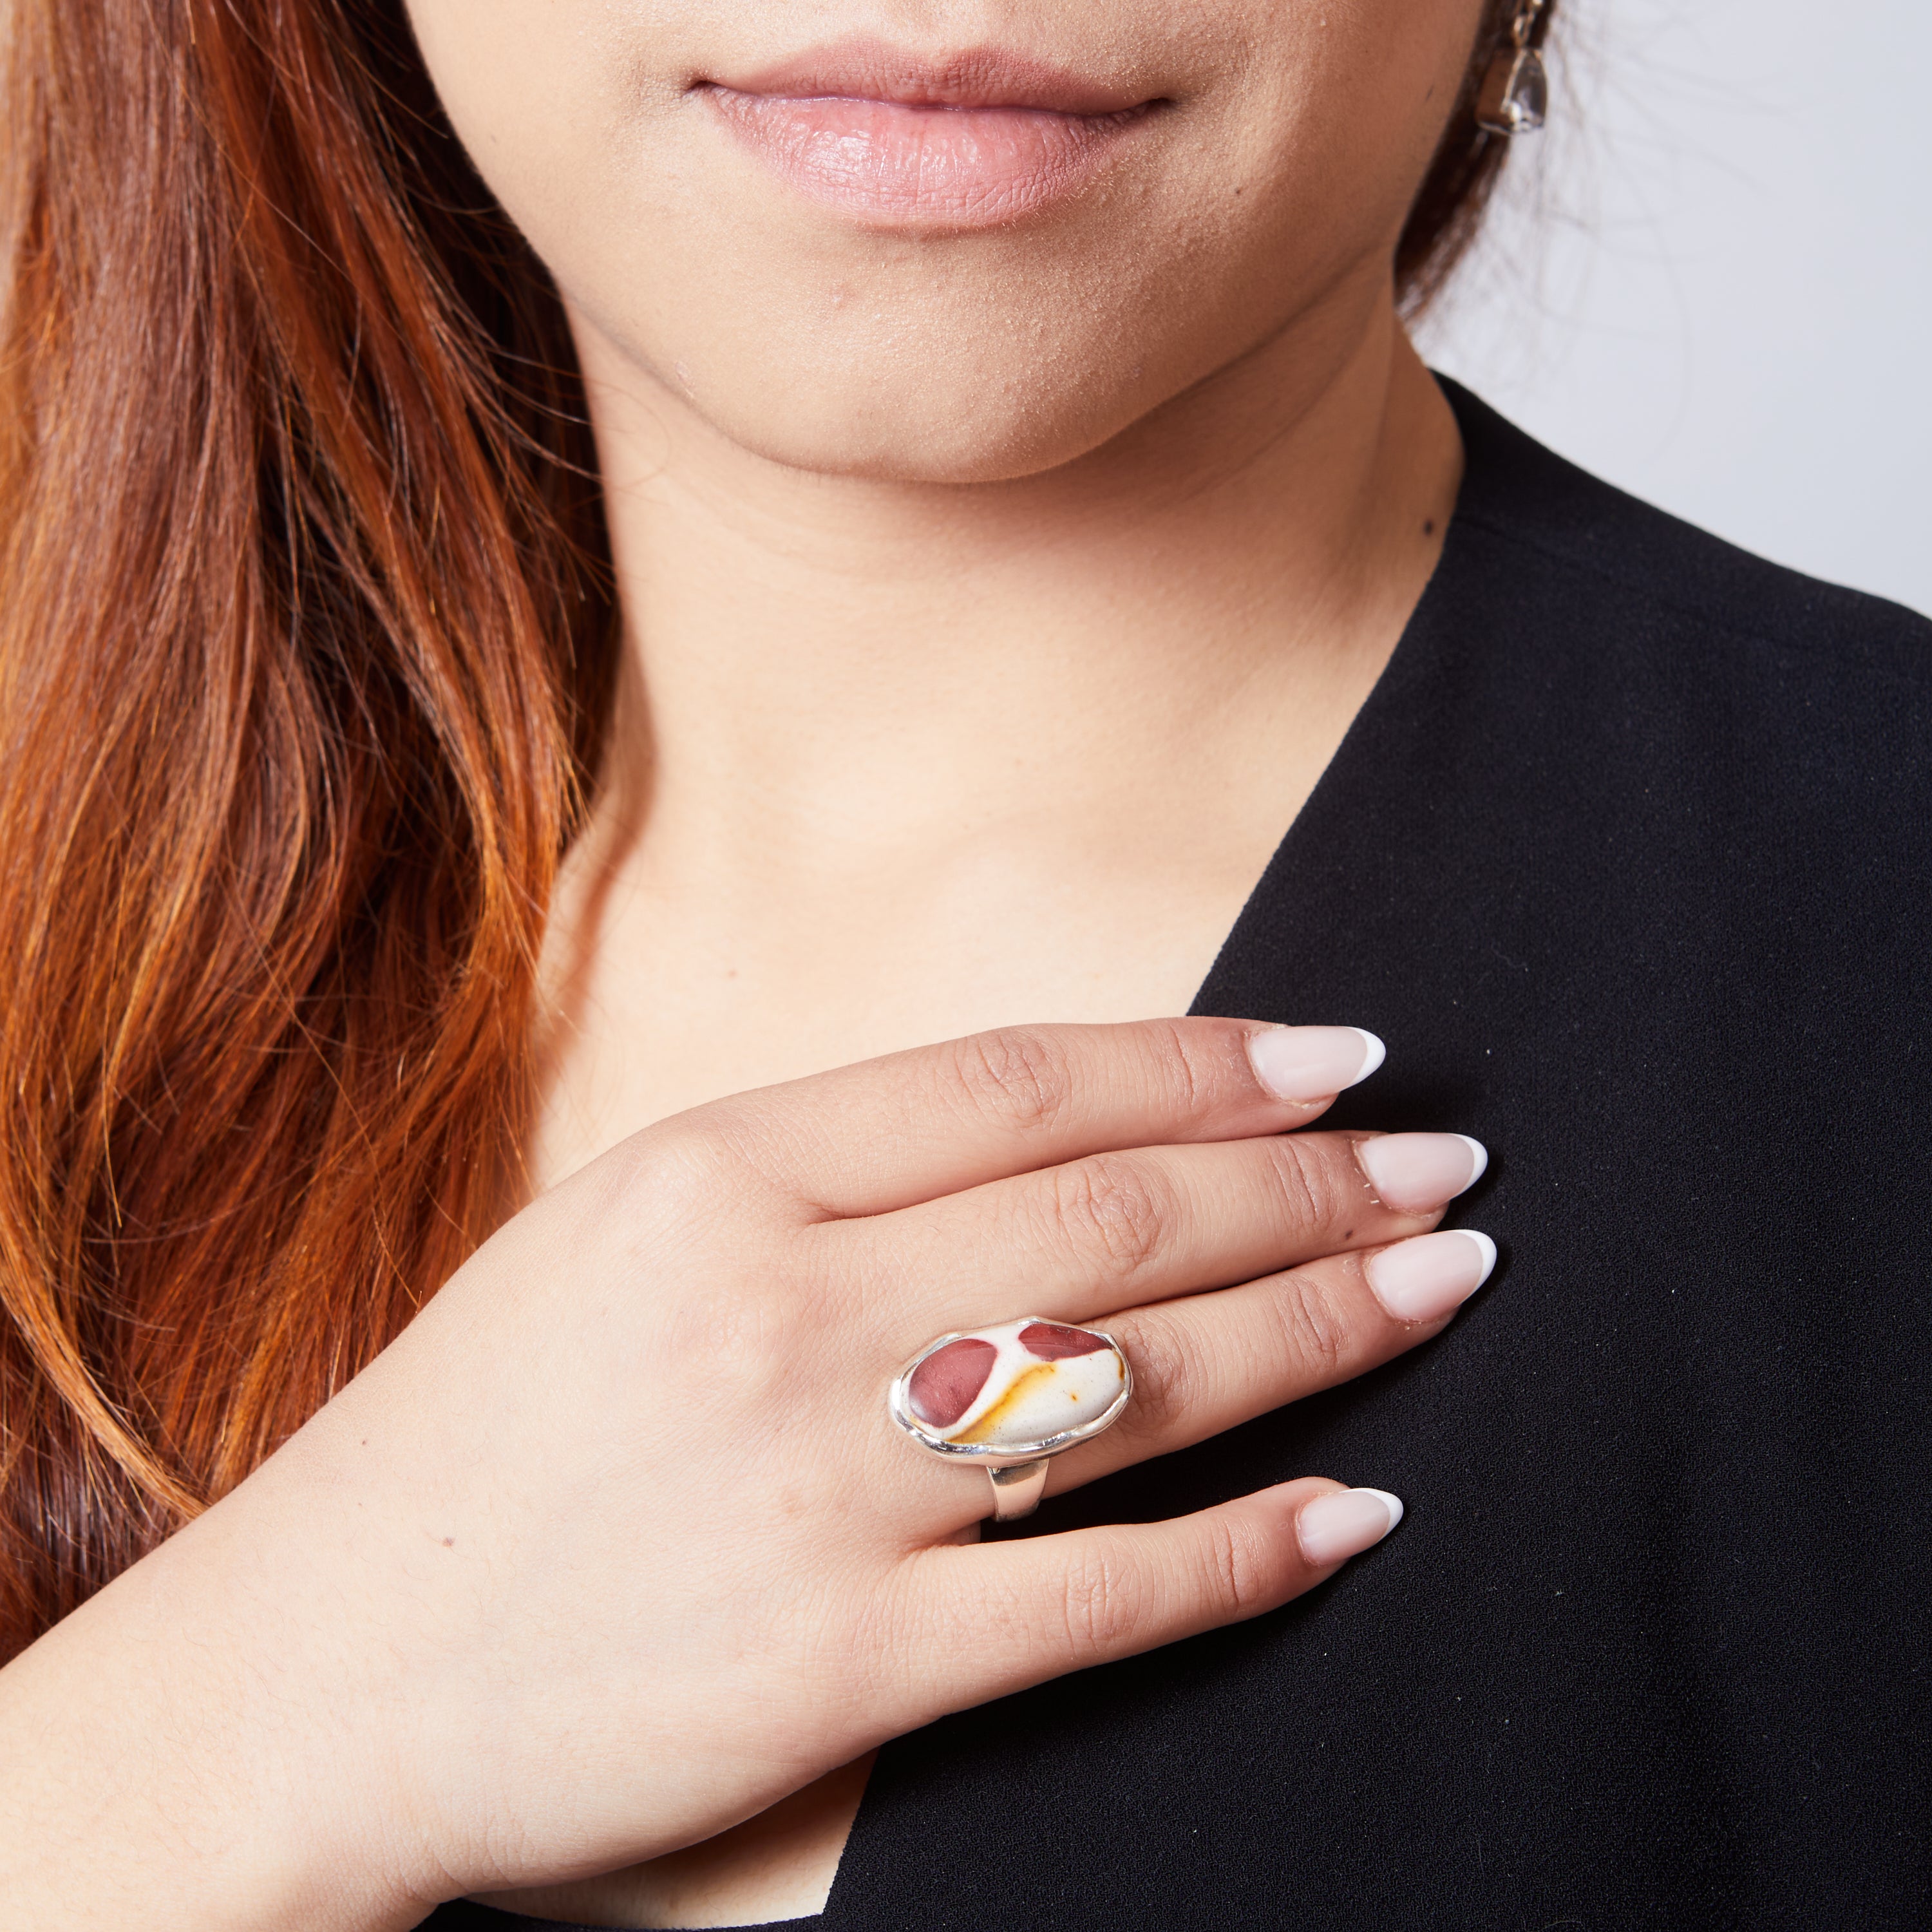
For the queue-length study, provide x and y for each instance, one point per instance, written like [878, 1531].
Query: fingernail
[1413, 1173]
[1423, 1278]
[1346, 1523]
[1310, 1062]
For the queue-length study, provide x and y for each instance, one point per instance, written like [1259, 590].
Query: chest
[665, 994]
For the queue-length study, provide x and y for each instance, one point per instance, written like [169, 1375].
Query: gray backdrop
[1712, 284]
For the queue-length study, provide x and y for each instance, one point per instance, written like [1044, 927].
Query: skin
[993, 599]
[548, 1588]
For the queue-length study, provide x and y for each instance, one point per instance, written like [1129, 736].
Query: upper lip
[864, 69]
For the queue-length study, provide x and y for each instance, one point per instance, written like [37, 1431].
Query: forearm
[170, 1757]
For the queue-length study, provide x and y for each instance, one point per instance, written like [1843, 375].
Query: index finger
[912, 1126]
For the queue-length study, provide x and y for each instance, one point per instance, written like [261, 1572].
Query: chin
[916, 443]
[901, 419]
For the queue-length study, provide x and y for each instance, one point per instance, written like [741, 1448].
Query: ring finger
[1210, 1362]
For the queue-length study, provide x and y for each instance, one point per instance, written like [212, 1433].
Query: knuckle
[718, 1157]
[1112, 1209]
[1190, 1074]
[675, 1169]
[921, 1614]
[1165, 1378]
[1236, 1578]
[1019, 1075]
[1309, 1189]
[1314, 1325]
[1102, 1611]
[677, 1203]
[754, 1337]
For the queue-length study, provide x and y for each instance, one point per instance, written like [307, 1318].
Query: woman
[1017, 525]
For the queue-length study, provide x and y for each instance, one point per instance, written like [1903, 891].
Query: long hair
[307, 645]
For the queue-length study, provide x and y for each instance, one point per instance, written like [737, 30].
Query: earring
[1515, 94]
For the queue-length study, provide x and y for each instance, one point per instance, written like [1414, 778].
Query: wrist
[178, 1753]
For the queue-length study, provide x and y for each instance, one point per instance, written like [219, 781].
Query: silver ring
[1010, 1398]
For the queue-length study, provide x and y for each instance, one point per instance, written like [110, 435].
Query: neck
[824, 660]
[894, 761]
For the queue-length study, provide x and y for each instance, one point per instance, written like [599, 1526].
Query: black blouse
[1627, 858]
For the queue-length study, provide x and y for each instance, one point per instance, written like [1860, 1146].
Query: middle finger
[1078, 1241]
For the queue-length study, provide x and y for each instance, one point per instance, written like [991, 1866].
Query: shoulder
[1649, 586]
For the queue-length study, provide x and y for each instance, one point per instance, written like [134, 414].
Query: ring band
[1017, 1491]
[1010, 1398]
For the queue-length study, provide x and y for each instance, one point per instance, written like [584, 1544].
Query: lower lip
[915, 167]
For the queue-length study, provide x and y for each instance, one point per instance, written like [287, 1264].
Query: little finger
[996, 1618]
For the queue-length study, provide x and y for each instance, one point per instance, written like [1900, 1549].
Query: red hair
[303, 644]
[307, 640]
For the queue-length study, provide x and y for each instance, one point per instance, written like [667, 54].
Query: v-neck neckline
[1353, 771]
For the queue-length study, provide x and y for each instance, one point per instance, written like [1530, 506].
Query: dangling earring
[1515, 93]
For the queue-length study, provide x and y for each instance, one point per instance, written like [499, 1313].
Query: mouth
[977, 139]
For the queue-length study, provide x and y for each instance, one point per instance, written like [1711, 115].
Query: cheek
[544, 95]
[801, 335]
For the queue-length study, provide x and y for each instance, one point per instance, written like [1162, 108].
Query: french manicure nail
[1413, 1173]
[1310, 1062]
[1346, 1523]
[1421, 1279]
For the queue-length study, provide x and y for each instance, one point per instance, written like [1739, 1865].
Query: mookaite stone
[1009, 1388]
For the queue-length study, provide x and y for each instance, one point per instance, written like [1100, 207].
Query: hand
[616, 1544]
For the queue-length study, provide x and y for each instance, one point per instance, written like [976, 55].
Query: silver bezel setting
[898, 1403]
